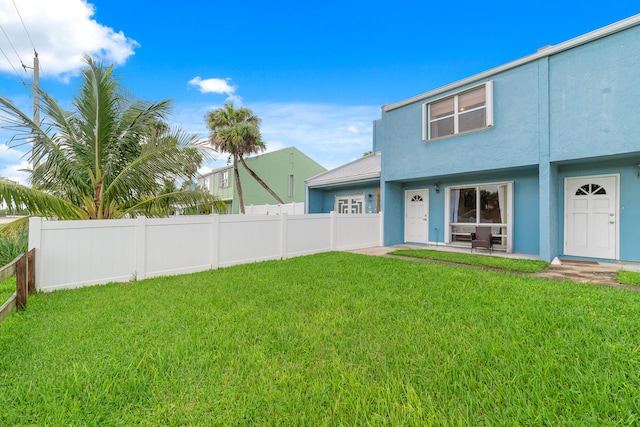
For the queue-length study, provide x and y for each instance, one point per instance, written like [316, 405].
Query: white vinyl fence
[288, 208]
[71, 254]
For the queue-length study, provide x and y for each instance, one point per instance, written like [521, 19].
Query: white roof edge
[345, 180]
[547, 51]
[317, 180]
[213, 171]
[375, 153]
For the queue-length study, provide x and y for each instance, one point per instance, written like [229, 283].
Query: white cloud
[216, 85]
[11, 163]
[61, 31]
[354, 128]
[330, 134]
[213, 85]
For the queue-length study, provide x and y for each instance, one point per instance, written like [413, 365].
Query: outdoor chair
[482, 238]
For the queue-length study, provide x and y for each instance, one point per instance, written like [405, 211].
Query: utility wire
[14, 49]
[35, 52]
[24, 26]
[14, 68]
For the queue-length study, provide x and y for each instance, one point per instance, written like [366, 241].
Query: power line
[24, 26]
[14, 68]
[35, 52]
[36, 96]
[14, 49]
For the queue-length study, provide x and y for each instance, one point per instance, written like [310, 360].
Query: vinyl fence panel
[308, 234]
[177, 245]
[355, 232]
[79, 253]
[249, 238]
[293, 208]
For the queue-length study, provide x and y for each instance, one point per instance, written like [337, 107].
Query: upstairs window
[463, 112]
[292, 183]
[224, 179]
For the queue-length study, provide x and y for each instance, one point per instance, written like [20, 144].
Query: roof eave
[345, 180]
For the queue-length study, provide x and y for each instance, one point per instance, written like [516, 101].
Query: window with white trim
[471, 206]
[292, 188]
[223, 179]
[350, 204]
[463, 112]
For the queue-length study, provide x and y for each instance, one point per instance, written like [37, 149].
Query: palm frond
[166, 156]
[167, 204]
[110, 153]
[38, 202]
[18, 225]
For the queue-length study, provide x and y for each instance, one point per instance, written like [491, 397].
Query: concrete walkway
[576, 271]
[595, 273]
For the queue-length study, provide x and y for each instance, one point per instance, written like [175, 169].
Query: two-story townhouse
[545, 150]
[284, 171]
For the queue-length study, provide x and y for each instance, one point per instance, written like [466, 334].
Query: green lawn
[7, 288]
[334, 339]
[629, 277]
[499, 263]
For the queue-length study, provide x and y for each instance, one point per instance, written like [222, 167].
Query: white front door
[591, 216]
[416, 209]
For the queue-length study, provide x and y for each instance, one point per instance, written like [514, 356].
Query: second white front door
[416, 221]
[591, 216]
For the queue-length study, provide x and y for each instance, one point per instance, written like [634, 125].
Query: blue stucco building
[545, 150]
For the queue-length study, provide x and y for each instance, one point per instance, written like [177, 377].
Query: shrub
[12, 245]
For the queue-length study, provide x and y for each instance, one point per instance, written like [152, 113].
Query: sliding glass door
[479, 205]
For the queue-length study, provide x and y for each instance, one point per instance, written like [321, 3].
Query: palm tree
[237, 132]
[108, 157]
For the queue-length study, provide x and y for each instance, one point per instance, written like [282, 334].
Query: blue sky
[317, 73]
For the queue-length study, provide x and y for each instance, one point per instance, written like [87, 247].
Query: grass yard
[7, 288]
[631, 278]
[508, 264]
[334, 339]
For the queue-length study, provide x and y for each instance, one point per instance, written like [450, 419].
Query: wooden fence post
[31, 271]
[21, 282]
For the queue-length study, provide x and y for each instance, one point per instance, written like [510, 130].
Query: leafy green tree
[237, 132]
[107, 158]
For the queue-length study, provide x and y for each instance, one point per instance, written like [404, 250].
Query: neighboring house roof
[214, 171]
[366, 168]
[542, 52]
[250, 159]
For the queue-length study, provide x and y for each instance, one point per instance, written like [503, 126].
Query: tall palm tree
[237, 132]
[108, 157]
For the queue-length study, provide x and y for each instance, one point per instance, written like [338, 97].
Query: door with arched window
[416, 220]
[591, 216]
